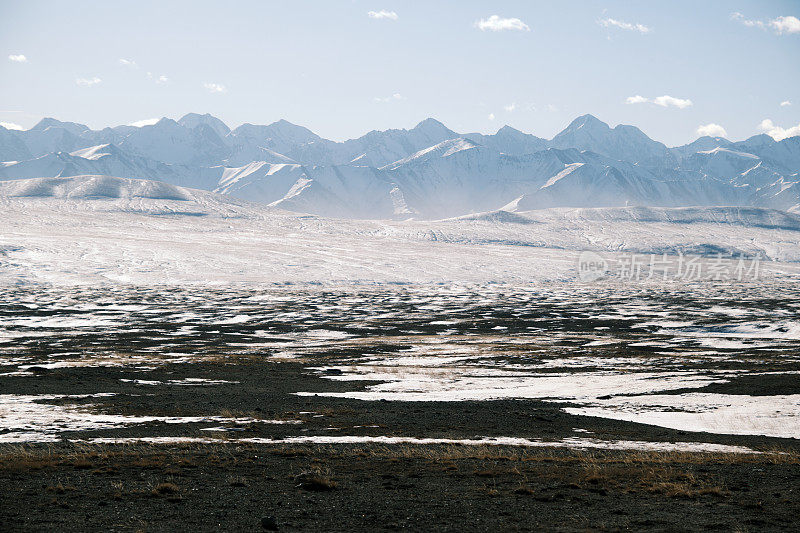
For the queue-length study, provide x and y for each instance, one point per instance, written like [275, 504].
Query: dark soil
[229, 485]
[368, 488]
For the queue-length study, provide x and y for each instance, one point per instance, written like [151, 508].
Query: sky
[675, 69]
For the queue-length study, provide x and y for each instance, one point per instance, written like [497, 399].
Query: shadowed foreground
[69, 487]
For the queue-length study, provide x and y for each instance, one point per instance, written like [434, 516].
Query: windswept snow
[91, 229]
[567, 170]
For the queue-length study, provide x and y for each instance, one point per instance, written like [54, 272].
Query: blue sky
[333, 67]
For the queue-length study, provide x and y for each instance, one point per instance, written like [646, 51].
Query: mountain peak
[508, 130]
[192, 120]
[164, 121]
[761, 138]
[48, 122]
[587, 122]
[431, 125]
[289, 130]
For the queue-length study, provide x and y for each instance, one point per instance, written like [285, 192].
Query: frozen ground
[625, 353]
[137, 278]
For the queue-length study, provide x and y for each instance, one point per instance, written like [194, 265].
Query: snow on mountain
[51, 139]
[510, 141]
[721, 162]
[784, 154]
[192, 120]
[88, 187]
[281, 136]
[379, 148]
[73, 127]
[755, 144]
[375, 149]
[781, 194]
[458, 177]
[260, 181]
[169, 142]
[442, 149]
[626, 143]
[701, 144]
[428, 171]
[345, 192]
[243, 154]
[11, 147]
[110, 160]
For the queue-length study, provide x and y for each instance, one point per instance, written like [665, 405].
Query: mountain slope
[626, 143]
[428, 171]
[169, 142]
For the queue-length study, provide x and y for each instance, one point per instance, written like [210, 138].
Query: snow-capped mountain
[192, 120]
[510, 141]
[170, 142]
[626, 143]
[428, 171]
[109, 160]
[12, 148]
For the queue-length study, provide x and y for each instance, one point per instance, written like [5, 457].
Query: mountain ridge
[428, 171]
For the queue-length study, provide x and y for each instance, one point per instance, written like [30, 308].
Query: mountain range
[427, 172]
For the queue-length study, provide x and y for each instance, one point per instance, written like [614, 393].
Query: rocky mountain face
[428, 171]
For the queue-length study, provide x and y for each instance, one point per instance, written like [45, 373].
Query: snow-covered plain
[99, 229]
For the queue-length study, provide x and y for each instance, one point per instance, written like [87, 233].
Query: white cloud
[395, 97]
[663, 101]
[749, 23]
[495, 23]
[785, 25]
[711, 130]
[11, 126]
[18, 58]
[510, 107]
[786, 103]
[145, 122]
[128, 63]
[215, 87]
[551, 108]
[781, 25]
[666, 101]
[491, 116]
[163, 79]
[88, 82]
[636, 99]
[382, 14]
[609, 22]
[776, 132]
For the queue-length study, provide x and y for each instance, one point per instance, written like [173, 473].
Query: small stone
[269, 523]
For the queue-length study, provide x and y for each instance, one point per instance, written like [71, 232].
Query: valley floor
[434, 407]
[180, 360]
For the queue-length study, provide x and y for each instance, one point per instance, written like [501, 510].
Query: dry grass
[85, 455]
[165, 489]
[60, 489]
[666, 474]
[237, 481]
[315, 480]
